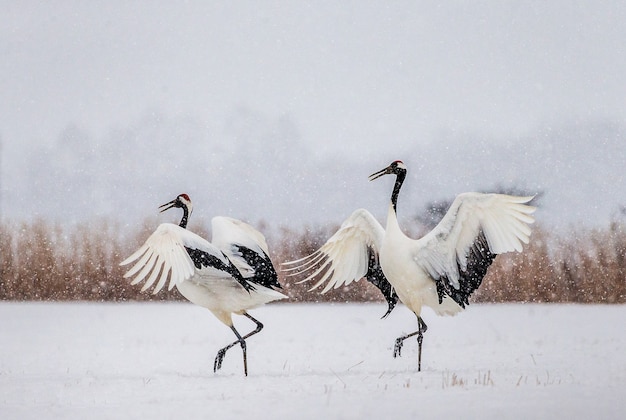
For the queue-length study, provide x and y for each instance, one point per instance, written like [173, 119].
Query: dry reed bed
[43, 261]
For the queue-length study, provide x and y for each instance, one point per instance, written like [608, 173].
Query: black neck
[396, 188]
[183, 221]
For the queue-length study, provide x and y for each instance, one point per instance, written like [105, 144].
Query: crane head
[396, 167]
[182, 201]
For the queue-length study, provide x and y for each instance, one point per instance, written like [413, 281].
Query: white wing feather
[502, 218]
[228, 232]
[344, 257]
[164, 256]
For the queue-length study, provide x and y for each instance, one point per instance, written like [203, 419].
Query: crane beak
[380, 173]
[167, 206]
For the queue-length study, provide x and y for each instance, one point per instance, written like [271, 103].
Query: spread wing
[349, 255]
[477, 227]
[176, 253]
[246, 248]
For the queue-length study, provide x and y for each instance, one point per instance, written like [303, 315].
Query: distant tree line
[48, 262]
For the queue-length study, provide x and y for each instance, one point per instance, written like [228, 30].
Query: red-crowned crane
[440, 270]
[229, 276]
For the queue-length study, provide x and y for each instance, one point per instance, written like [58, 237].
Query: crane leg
[241, 341]
[421, 329]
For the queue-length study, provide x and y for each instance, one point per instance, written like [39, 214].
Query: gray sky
[358, 79]
[383, 73]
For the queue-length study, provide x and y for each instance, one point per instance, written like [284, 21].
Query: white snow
[85, 360]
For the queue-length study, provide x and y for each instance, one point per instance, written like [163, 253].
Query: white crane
[229, 276]
[440, 270]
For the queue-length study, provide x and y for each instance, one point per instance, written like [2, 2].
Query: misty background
[278, 111]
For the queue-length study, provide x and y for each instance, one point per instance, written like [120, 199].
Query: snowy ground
[311, 362]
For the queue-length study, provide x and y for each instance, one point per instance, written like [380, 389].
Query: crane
[229, 276]
[440, 270]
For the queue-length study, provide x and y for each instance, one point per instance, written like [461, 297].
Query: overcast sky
[356, 78]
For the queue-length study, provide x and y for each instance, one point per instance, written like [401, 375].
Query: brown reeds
[43, 261]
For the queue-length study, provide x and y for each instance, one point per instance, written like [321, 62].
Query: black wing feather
[264, 272]
[203, 259]
[479, 259]
[376, 276]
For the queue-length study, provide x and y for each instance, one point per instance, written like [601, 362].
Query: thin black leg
[421, 329]
[420, 339]
[241, 341]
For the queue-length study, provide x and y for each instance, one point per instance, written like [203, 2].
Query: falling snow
[276, 115]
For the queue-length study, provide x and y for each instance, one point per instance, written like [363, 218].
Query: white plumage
[440, 270]
[231, 275]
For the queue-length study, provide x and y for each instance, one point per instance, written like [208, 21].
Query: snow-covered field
[83, 360]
